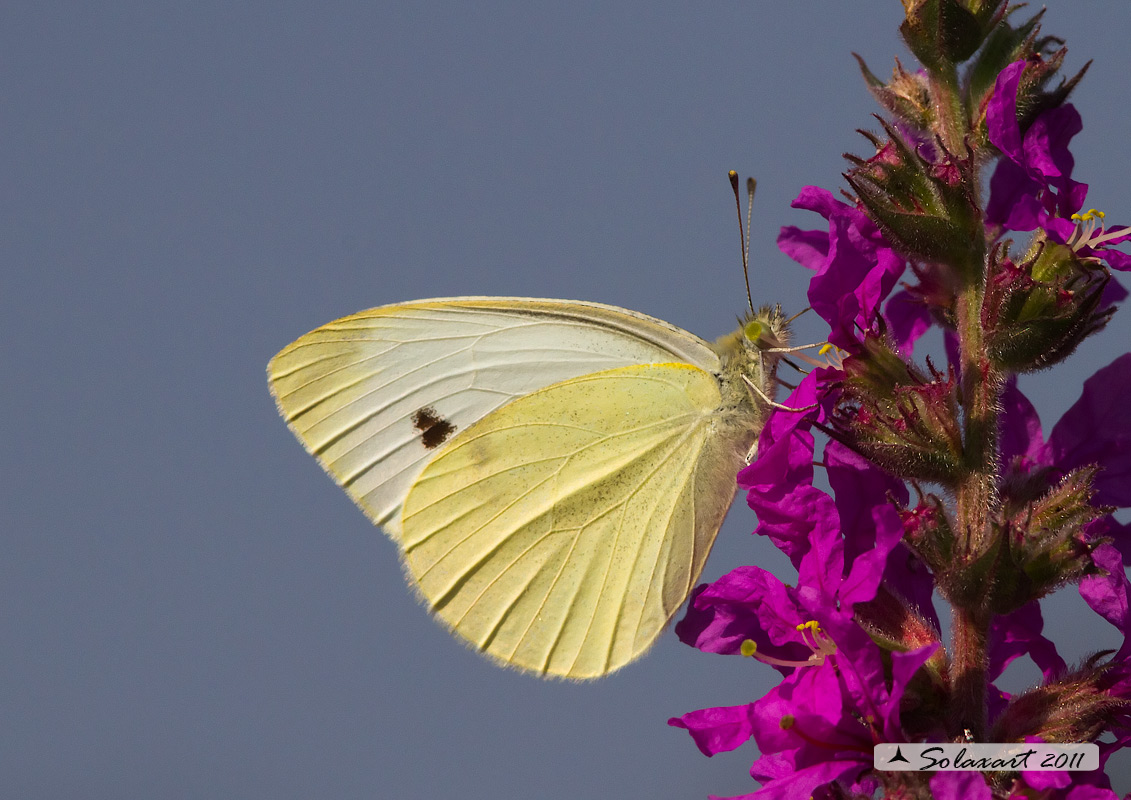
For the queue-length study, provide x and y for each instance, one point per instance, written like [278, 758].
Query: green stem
[968, 678]
[975, 500]
[976, 494]
[949, 107]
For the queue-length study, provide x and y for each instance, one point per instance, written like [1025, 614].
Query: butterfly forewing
[561, 532]
[375, 395]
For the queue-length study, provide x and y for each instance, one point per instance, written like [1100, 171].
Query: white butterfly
[555, 472]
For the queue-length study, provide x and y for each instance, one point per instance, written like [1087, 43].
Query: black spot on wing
[434, 429]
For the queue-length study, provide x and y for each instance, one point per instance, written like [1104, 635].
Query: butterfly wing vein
[560, 533]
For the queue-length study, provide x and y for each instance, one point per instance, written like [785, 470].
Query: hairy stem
[976, 494]
[968, 676]
[950, 110]
[975, 499]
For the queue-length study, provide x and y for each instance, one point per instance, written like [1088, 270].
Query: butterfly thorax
[748, 368]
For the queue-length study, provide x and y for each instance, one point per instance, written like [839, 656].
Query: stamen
[833, 355]
[811, 636]
[1085, 234]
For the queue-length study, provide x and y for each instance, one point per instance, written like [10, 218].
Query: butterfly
[554, 472]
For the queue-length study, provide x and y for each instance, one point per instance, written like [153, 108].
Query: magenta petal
[1059, 229]
[1097, 430]
[1013, 200]
[1117, 260]
[717, 730]
[1021, 437]
[1109, 595]
[1045, 780]
[1018, 634]
[784, 781]
[810, 249]
[1120, 534]
[746, 603]
[865, 498]
[959, 786]
[1001, 112]
[908, 319]
[814, 198]
[856, 268]
[1046, 142]
[904, 665]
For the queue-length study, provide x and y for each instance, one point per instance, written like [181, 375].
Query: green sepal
[940, 32]
[1036, 314]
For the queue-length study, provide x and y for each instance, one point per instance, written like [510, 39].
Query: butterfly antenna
[750, 184]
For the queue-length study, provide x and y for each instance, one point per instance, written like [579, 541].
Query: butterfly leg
[770, 402]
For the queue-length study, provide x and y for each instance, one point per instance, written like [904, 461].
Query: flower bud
[919, 197]
[1038, 547]
[1037, 312]
[898, 418]
[927, 530]
[943, 31]
[1076, 708]
[895, 624]
[906, 96]
[898, 626]
[1047, 540]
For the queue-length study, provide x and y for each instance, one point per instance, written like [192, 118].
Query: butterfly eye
[753, 330]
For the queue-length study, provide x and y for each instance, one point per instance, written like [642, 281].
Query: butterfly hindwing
[561, 532]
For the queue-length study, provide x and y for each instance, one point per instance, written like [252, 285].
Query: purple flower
[1097, 430]
[855, 268]
[751, 604]
[1033, 181]
[835, 701]
[779, 483]
[1015, 635]
[1109, 594]
[908, 317]
[1018, 634]
[1032, 186]
[820, 724]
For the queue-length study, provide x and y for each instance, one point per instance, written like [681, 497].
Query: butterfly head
[749, 358]
[758, 335]
[765, 329]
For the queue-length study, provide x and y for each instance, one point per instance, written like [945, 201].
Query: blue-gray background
[188, 606]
